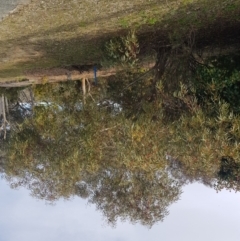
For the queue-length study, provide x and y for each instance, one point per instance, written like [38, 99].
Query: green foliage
[124, 49]
[230, 170]
[137, 196]
[221, 80]
[124, 23]
[11, 94]
[229, 174]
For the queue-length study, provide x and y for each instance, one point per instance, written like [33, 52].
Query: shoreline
[61, 75]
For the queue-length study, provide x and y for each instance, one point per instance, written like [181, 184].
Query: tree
[229, 174]
[137, 196]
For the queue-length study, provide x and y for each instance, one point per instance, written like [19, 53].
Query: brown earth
[53, 75]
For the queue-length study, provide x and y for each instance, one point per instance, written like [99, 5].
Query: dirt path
[43, 79]
[60, 75]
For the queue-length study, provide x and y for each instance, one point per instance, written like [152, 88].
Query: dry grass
[63, 32]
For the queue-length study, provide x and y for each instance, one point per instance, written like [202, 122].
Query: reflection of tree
[4, 110]
[229, 174]
[63, 131]
[63, 146]
[116, 157]
[137, 196]
[15, 105]
[179, 171]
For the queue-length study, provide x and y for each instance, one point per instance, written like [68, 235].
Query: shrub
[124, 49]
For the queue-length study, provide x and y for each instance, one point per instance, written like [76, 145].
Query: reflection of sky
[200, 215]
[8, 5]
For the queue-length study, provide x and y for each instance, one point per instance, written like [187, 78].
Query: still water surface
[147, 146]
[201, 214]
[8, 6]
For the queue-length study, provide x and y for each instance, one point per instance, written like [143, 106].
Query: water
[8, 6]
[201, 214]
[88, 162]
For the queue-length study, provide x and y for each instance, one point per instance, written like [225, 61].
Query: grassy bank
[55, 33]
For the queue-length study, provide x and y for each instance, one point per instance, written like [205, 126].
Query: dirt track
[60, 74]
[43, 79]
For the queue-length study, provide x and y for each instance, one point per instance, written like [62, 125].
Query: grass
[56, 33]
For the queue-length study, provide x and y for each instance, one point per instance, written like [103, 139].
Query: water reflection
[200, 211]
[69, 139]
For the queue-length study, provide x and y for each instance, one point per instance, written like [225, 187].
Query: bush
[221, 80]
[123, 50]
